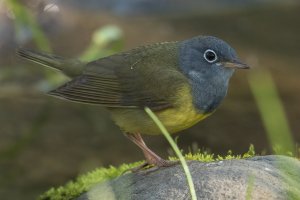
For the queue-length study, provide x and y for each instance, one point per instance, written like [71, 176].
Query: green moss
[84, 182]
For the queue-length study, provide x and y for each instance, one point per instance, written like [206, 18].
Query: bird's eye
[210, 56]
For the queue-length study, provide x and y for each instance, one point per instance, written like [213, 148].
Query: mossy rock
[246, 177]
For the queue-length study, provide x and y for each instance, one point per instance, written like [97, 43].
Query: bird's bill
[235, 64]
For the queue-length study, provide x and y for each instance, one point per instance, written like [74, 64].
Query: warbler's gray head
[208, 62]
[207, 55]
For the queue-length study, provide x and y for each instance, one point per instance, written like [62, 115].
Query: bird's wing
[107, 92]
[124, 80]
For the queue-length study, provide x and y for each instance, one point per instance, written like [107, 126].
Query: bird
[182, 82]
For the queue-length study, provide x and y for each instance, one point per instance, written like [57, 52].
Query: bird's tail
[70, 67]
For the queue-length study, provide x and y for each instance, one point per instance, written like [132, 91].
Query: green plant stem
[176, 150]
[250, 186]
[272, 112]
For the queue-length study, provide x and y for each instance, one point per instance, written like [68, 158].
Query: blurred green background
[45, 142]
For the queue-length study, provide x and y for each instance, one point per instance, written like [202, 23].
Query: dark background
[45, 142]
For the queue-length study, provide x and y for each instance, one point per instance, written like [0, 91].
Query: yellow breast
[182, 116]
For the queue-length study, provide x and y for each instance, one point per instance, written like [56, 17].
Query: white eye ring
[210, 56]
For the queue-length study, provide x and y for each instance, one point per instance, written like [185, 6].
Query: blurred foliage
[24, 20]
[106, 41]
[272, 112]
[275, 122]
[25, 24]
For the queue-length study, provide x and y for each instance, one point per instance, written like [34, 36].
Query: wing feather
[94, 90]
[142, 77]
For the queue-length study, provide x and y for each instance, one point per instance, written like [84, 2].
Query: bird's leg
[151, 157]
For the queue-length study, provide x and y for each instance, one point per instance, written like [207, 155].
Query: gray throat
[208, 92]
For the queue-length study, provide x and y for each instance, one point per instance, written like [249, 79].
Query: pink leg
[151, 157]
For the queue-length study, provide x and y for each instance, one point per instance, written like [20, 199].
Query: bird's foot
[153, 161]
[147, 167]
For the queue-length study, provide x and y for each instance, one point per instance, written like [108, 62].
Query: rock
[260, 177]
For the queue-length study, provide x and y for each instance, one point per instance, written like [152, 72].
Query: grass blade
[176, 150]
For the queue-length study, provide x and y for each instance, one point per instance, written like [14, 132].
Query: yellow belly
[182, 116]
[179, 119]
[137, 121]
